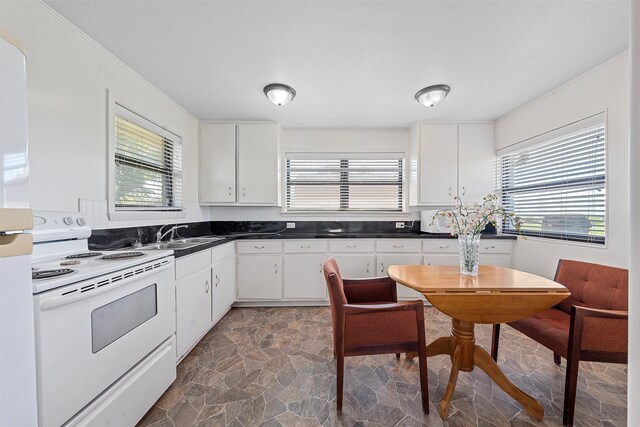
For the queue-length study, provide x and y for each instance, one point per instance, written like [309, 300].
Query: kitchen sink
[197, 240]
[168, 245]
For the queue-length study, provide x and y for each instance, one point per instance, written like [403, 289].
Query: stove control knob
[67, 220]
[81, 221]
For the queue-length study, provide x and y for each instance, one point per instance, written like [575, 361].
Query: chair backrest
[593, 285]
[335, 286]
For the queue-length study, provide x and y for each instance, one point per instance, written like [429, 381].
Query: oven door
[91, 333]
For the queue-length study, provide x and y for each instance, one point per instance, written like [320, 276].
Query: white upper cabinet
[258, 156]
[217, 165]
[448, 160]
[476, 161]
[239, 164]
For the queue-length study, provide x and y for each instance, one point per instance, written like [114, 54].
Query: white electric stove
[104, 326]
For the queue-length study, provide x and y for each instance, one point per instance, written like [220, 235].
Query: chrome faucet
[160, 235]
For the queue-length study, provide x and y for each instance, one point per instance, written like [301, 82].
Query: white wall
[605, 88]
[326, 140]
[68, 75]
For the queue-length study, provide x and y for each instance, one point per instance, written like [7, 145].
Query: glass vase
[469, 245]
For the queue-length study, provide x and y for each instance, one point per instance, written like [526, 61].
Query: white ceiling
[354, 63]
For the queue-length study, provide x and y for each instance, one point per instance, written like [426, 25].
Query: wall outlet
[291, 225]
[399, 224]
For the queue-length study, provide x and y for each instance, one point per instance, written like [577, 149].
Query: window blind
[148, 165]
[557, 187]
[344, 184]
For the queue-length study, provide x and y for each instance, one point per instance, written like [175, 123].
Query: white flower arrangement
[472, 218]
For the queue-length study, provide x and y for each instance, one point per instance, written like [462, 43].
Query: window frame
[117, 108]
[558, 134]
[342, 156]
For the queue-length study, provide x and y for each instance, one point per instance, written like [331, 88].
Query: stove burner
[83, 255]
[47, 274]
[123, 255]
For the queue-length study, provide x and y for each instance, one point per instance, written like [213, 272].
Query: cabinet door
[355, 266]
[501, 260]
[259, 277]
[193, 309]
[476, 161]
[441, 259]
[385, 260]
[224, 286]
[303, 277]
[217, 167]
[438, 163]
[258, 164]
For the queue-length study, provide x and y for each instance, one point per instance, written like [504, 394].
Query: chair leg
[570, 387]
[339, 379]
[495, 340]
[397, 355]
[556, 358]
[424, 379]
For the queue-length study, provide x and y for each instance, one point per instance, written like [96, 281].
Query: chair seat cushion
[550, 328]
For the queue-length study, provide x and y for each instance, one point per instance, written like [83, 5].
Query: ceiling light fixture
[431, 96]
[279, 93]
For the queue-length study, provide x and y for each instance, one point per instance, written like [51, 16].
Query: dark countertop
[293, 235]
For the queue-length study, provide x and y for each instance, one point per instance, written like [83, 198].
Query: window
[147, 165]
[344, 182]
[556, 183]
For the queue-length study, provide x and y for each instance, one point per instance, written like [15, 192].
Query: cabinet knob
[398, 246]
[443, 247]
[217, 280]
[229, 190]
[352, 246]
[490, 247]
[320, 268]
[276, 270]
[259, 247]
[464, 191]
[305, 246]
[382, 267]
[449, 190]
[206, 286]
[367, 268]
[244, 192]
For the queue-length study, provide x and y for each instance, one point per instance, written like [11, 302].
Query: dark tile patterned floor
[275, 367]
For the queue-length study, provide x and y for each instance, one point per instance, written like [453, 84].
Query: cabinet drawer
[494, 246]
[398, 245]
[351, 246]
[222, 252]
[440, 245]
[260, 247]
[305, 246]
[192, 263]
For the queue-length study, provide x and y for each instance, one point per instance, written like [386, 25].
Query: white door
[193, 309]
[355, 266]
[224, 286]
[438, 163]
[259, 277]
[258, 164]
[385, 260]
[476, 161]
[303, 277]
[217, 166]
[442, 259]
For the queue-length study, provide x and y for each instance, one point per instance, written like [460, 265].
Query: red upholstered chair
[367, 319]
[590, 325]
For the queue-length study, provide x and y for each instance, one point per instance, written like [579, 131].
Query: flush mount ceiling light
[279, 93]
[431, 96]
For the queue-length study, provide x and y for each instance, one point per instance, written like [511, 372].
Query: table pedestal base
[465, 355]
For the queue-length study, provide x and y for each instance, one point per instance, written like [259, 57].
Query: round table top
[495, 295]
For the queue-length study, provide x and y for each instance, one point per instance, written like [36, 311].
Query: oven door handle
[55, 302]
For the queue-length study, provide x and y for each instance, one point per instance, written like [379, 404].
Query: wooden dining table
[495, 295]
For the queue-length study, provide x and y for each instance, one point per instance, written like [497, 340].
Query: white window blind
[148, 165]
[557, 185]
[347, 183]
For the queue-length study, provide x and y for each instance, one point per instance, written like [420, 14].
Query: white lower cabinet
[193, 309]
[303, 277]
[223, 276]
[356, 266]
[259, 277]
[387, 259]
